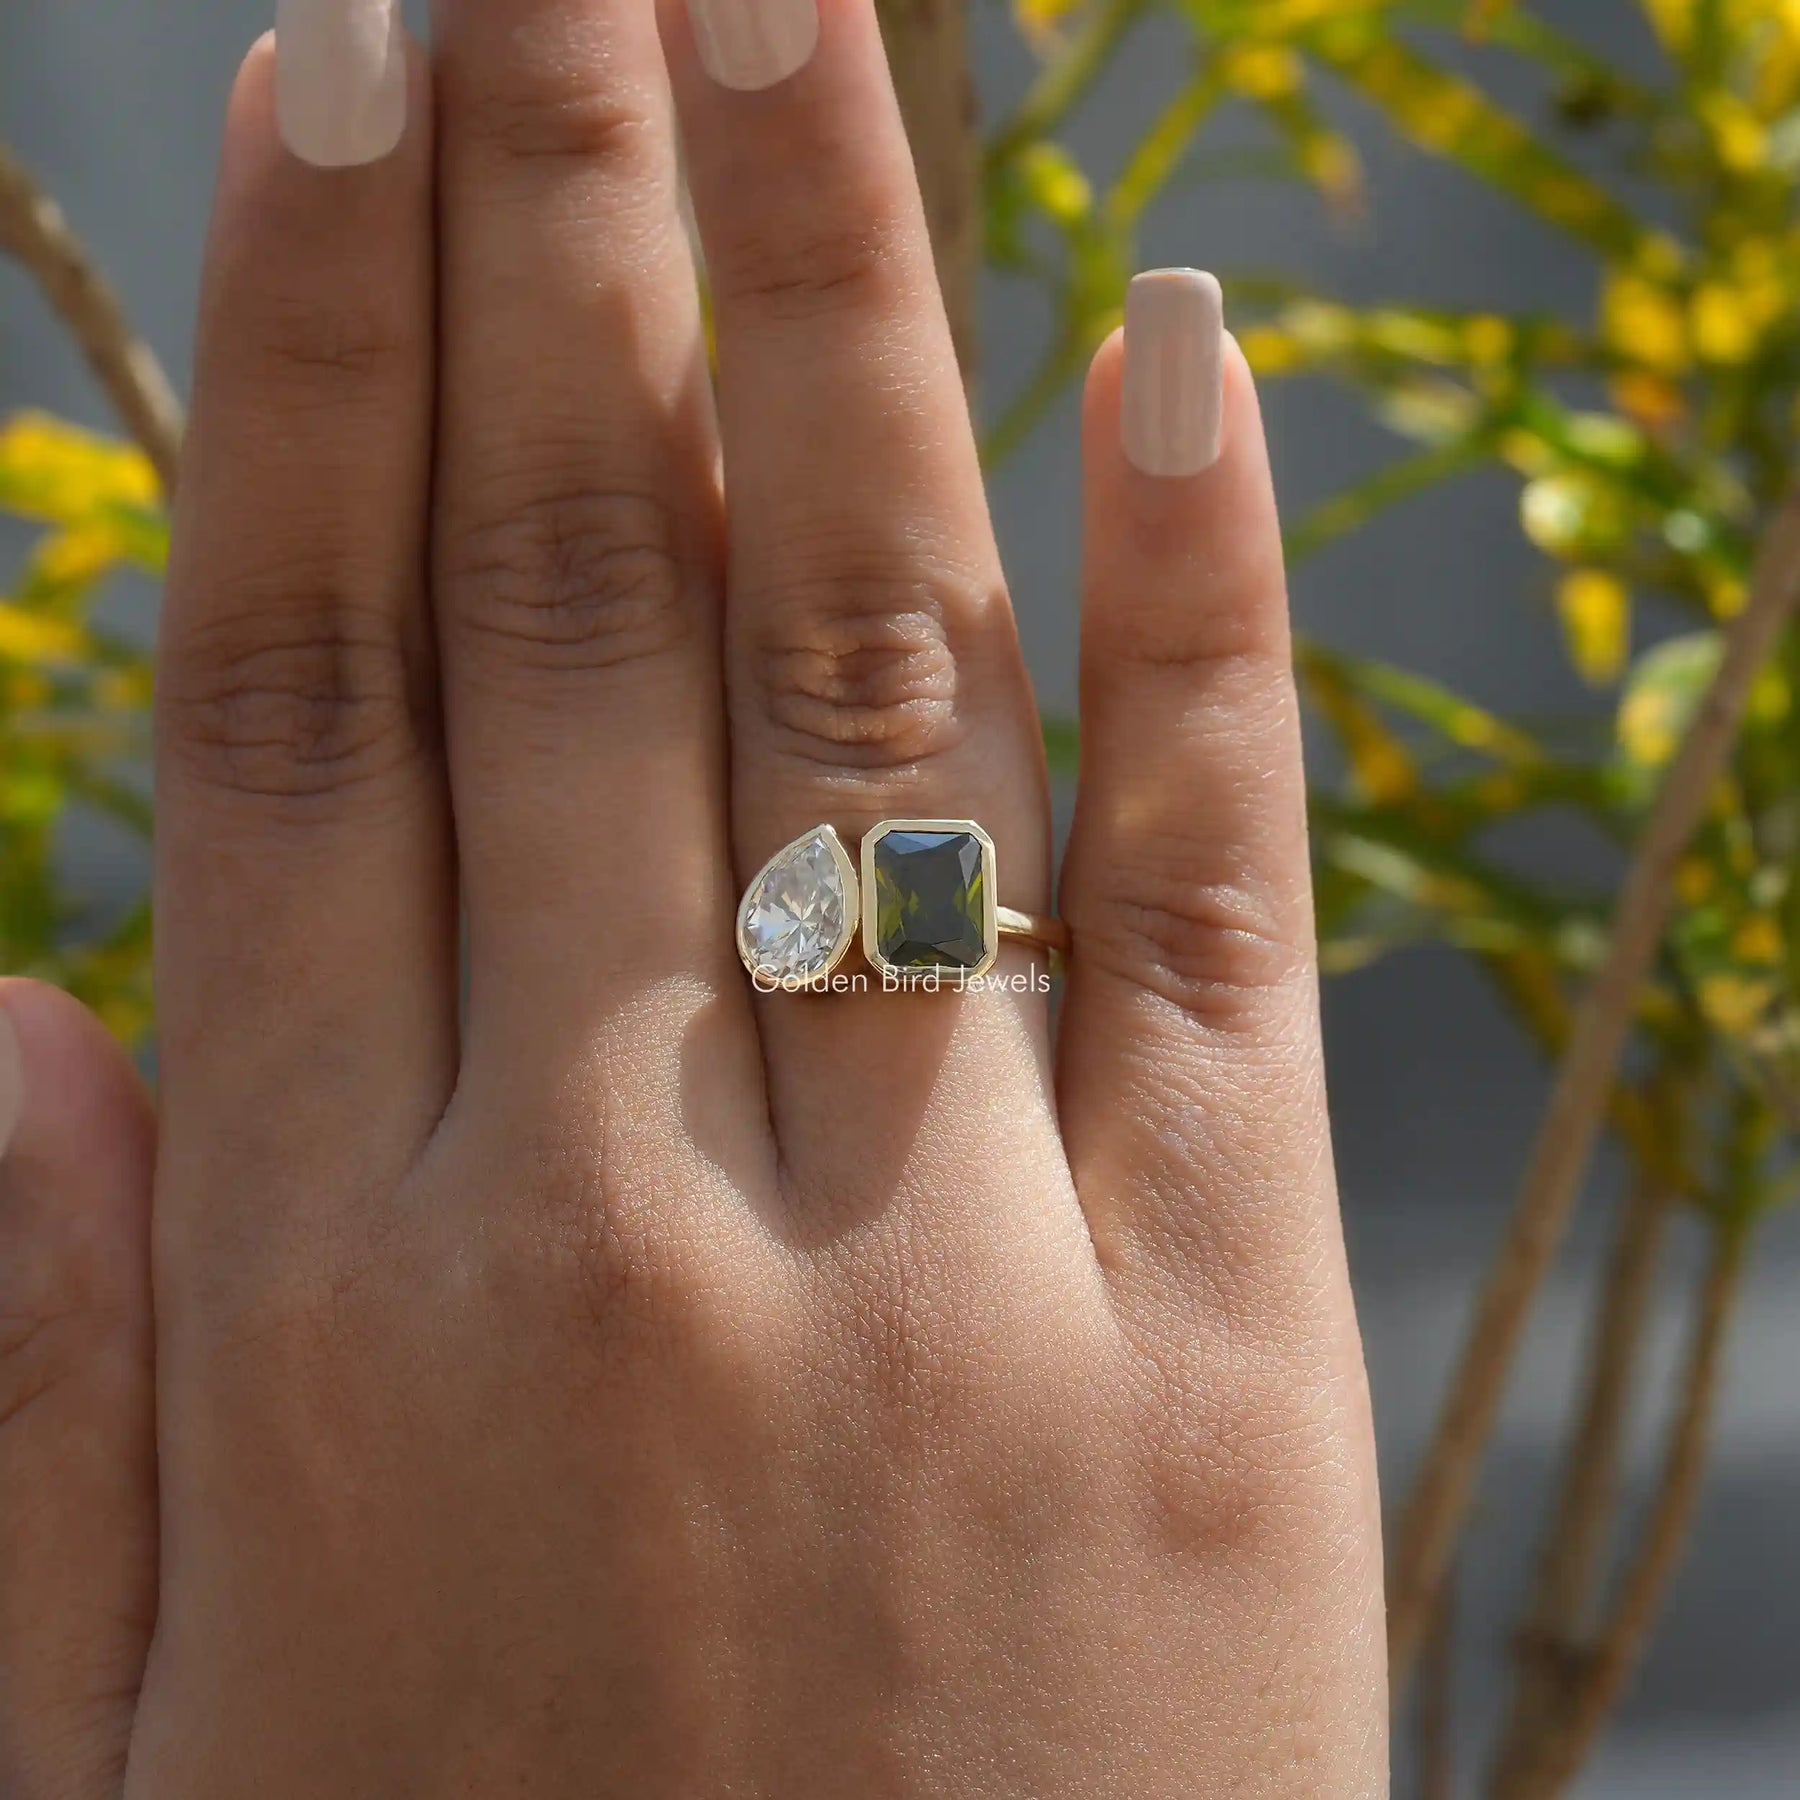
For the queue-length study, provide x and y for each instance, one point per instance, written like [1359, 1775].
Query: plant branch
[1619, 1647]
[1066, 77]
[34, 230]
[927, 46]
[1437, 1701]
[1573, 1560]
[1061, 364]
[1437, 1509]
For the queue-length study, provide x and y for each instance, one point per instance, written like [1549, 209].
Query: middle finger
[577, 546]
[873, 667]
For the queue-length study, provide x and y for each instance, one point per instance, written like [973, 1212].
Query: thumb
[77, 1420]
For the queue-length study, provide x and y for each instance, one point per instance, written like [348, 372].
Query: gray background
[117, 104]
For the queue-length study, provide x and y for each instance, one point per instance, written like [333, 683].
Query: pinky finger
[78, 1558]
[1192, 1097]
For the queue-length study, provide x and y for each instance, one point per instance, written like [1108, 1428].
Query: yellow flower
[1500, 791]
[1271, 351]
[122, 690]
[1725, 330]
[1674, 21]
[1726, 595]
[1734, 1003]
[1647, 725]
[1758, 940]
[1383, 771]
[1694, 881]
[1771, 696]
[1488, 338]
[1737, 134]
[1596, 618]
[1526, 452]
[1408, 334]
[52, 471]
[1644, 321]
[31, 638]
[1321, 326]
[1263, 71]
[1039, 19]
[1652, 400]
[1055, 183]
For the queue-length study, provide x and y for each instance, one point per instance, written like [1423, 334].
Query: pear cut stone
[797, 918]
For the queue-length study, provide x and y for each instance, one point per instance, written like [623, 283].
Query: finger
[872, 660]
[1192, 1097]
[305, 893]
[77, 1422]
[577, 545]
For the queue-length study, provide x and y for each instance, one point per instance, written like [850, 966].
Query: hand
[639, 1386]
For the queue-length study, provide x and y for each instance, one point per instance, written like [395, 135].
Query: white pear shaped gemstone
[800, 913]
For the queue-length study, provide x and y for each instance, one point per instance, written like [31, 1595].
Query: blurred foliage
[1649, 441]
[74, 701]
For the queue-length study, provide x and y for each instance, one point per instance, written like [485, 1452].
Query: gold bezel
[990, 901]
[852, 912]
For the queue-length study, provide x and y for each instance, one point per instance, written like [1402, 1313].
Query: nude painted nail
[752, 44]
[340, 79]
[1173, 398]
[12, 1082]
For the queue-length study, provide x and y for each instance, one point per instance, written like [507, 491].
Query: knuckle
[1233, 656]
[553, 117]
[278, 1324]
[801, 275]
[300, 698]
[577, 581]
[592, 1258]
[860, 673]
[337, 341]
[286, 1298]
[1251, 1442]
[1261, 1475]
[59, 1301]
[1220, 947]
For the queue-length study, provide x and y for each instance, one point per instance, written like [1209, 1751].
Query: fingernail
[1173, 397]
[12, 1082]
[754, 43]
[340, 79]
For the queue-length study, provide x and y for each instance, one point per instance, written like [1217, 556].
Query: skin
[641, 1387]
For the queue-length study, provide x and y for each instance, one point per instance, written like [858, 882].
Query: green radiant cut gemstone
[930, 906]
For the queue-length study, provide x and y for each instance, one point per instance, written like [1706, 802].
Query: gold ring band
[921, 894]
[1033, 928]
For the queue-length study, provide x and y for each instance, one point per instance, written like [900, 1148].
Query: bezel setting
[910, 974]
[761, 970]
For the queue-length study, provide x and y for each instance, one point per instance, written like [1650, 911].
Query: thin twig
[1066, 78]
[1435, 1514]
[1572, 1567]
[1621, 1642]
[33, 229]
[928, 53]
[1437, 1700]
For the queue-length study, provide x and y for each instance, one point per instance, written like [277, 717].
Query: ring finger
[872, 664]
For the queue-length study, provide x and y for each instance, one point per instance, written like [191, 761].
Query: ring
[923, 895]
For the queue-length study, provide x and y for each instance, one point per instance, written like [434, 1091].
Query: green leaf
[1158, 153]
[1459, 721]
[1662, 693]
[1062, 746]
[1452, 118]
[1352, 507]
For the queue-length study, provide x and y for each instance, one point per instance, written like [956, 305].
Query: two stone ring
[925, 901]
